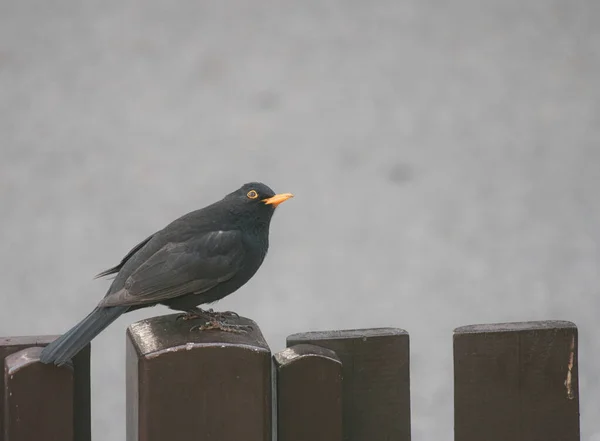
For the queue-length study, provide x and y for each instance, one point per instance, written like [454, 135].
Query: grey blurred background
[444, 157]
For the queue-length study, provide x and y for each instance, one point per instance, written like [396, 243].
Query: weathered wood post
[185, 384]
[376, 380]
[309, 394]
[40, 401]
[516, 381]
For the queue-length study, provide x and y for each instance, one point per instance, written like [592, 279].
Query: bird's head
[256, 198]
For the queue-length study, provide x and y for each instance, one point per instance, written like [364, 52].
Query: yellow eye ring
[252, 194]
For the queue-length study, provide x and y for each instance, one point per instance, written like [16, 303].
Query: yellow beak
[278, 199]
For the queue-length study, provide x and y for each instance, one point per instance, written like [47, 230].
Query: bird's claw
[220, 326]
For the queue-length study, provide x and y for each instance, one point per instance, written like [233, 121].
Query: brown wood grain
[187, 384]
[376, 380]
[516, 381]
[81, 413]
[38, 399]
[309, 394]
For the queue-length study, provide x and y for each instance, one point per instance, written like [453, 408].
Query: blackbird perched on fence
[197, 259]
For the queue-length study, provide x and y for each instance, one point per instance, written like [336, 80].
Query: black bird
[199, 258]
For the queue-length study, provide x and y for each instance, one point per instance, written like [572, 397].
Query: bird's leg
[220, 326]
[195, 313]
[223, 314]
[214, 320]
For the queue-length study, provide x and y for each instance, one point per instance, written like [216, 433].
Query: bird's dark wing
[194, 266]
[117, 268]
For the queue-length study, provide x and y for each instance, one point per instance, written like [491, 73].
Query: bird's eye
[252, 194]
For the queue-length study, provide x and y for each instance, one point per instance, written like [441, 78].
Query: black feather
[117, 268]
[197, 259]
[65, 347]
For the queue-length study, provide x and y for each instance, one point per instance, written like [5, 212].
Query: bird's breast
[256, 247]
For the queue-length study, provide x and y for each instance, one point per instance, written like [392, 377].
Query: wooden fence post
[516, 381]
[376, 380]
[38, 401]
[185, 384]
[309, 394]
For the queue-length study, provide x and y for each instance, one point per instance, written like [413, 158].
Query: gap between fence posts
[185, 384]
[376, 380]
[516, 381]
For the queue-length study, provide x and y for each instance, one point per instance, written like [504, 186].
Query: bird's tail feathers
[65, 347]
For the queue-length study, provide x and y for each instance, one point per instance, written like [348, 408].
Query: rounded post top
[157, 335]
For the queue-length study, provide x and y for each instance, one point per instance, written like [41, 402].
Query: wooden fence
[512, 382]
